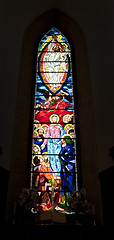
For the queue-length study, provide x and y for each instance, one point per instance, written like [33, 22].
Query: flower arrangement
[28, 199]
[79, 203]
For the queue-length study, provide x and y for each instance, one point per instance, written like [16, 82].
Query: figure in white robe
[56, 62]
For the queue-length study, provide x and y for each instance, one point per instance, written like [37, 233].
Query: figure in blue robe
[67, 158]
[39, 143]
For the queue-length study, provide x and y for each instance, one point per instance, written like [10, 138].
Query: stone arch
[23, 105]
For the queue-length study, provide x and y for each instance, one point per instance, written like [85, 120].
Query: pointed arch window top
[54, 60]
[55, 36]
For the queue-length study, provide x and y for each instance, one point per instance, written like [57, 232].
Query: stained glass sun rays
[54, 165]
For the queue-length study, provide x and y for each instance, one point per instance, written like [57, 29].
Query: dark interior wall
[107, 180]
[86, 114]
[4, 178]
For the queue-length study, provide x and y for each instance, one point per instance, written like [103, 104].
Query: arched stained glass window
[54, 163]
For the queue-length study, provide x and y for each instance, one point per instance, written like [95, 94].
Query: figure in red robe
[53, 105]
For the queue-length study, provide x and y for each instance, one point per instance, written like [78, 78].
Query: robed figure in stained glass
[53, 140]
[56, 62]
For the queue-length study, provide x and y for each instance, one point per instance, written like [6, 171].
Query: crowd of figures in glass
[53, 168]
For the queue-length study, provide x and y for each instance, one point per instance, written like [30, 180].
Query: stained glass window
[54, 163]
